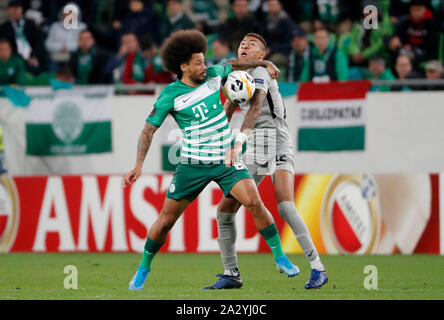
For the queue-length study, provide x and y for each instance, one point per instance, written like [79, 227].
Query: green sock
[151, 248]
[271, 236]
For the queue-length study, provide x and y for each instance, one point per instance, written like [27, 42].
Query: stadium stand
[405, 30]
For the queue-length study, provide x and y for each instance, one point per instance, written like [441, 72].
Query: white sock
[317, 264]
[232, 272]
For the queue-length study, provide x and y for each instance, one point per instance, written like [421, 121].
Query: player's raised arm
[229, 108]
[143, 145]
[253, 113]
[248, 64]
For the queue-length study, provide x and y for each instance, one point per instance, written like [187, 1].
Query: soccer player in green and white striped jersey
[194, 102]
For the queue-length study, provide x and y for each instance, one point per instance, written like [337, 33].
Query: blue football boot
[225, 282]
[139, 279]
[284, 265]
[317, 279]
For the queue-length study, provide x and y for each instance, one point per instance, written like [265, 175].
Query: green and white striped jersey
[199, 114]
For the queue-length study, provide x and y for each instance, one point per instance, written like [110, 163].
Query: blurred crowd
[118, 41]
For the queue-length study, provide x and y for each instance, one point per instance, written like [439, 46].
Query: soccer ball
[239, 87]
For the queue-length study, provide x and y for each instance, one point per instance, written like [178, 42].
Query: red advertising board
[94, 214]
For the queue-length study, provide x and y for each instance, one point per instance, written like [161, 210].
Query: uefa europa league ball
[239, 87]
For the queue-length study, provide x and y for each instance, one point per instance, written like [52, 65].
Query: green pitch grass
[182, 276]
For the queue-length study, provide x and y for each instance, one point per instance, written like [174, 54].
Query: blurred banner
[395, 131]
[346, 214]
[331, 116]
[73, 121]
[369, 214]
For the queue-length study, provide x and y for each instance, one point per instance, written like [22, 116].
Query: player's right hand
[228, 153]
[272, 70]
[232, 155]
[131, 177]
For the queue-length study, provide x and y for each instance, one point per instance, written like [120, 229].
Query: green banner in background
[331, 116]
[69, 122]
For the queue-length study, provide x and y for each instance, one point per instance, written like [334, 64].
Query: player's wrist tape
[241, 137]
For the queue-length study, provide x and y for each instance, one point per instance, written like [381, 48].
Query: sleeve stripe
[151, 122]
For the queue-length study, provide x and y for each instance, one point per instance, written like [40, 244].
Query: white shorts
[260, 170]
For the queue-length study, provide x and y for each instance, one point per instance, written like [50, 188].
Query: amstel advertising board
[346, 214]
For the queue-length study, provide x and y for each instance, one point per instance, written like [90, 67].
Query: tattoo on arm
[144, 143]
[247, 64]
[254, 112]
[229, 109]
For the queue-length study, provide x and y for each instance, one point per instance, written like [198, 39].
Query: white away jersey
[271, 136]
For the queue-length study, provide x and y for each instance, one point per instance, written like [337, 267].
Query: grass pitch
[182, 276]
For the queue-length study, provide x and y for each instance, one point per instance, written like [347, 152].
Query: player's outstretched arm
[229, 108]
[253, 113]
[248, 64]
[143, 145]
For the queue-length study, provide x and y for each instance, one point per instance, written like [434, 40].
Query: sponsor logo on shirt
[213, 84]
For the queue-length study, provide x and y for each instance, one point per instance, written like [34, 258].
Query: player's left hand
[273, 70]
[131, 177]
[232, 155]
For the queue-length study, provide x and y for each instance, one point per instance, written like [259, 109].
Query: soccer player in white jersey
[269, 150]
[194, 102]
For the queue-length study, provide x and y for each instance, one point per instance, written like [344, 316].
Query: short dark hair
[378, 59]
[5, 40]
[64, 70]
[322, 29]
[87, 30]
[15, 4]
[146, 42]
[422, 3]
[129, 33]
[259, 37]
[180, 47]
[223, 40]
